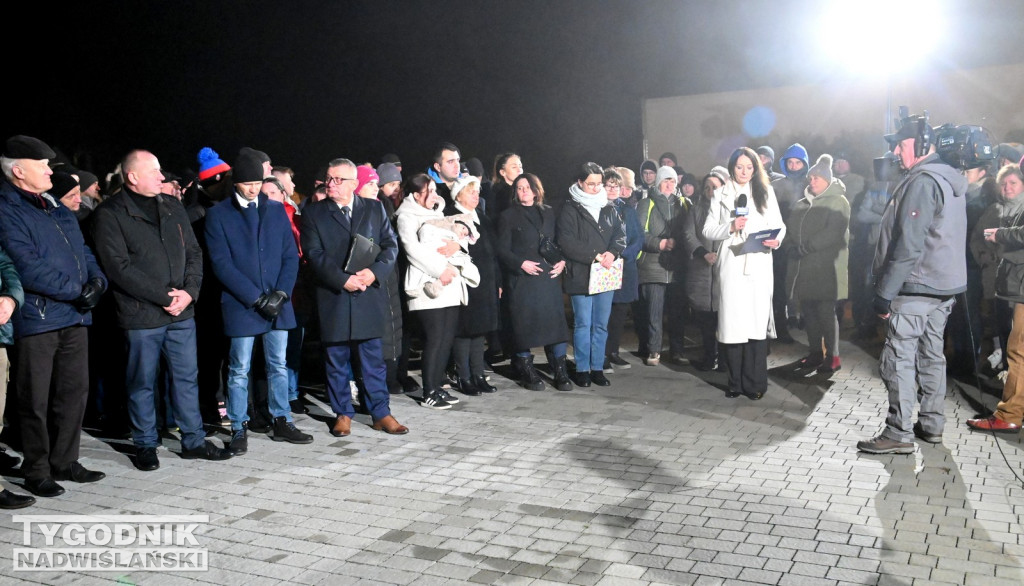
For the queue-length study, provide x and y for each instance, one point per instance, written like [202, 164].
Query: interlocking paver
[635, 482]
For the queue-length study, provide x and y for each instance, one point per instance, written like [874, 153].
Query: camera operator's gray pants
[913, 366]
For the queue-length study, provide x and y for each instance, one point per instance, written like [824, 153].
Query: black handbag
[546, 247]
[549, 251]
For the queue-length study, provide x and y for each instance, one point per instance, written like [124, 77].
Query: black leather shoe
[466, 387]
[298, 407]
[599, 379]
[755, 396]
[78, 473]
[582, 379]
[8, 462]
[207, 451]
[732, 394]
[707, 365]
[481, 384]
[9, 500]
[146, 460]
[45, 487]
[410, 386]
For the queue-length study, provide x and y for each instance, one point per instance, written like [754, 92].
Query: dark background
[559, 82]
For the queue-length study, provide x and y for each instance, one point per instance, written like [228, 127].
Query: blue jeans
[275, 343]
[338, 366]
[177, 344]
[294, 361]
[590, 331]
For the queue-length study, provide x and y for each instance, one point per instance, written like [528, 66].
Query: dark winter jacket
[1010, 272]
[43, 239]
[921, 247]
[701, 278]
[146, 260]
[817, 234]
[582, 238]
[790, 188]
[630, 290]
[480, 315]
[250, 265]
[10, 286]
[326, 240]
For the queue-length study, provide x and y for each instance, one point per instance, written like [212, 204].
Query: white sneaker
[995, 358]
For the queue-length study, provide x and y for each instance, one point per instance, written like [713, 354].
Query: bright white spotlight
[880, 37]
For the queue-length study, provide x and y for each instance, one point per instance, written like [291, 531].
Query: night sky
[559, 82]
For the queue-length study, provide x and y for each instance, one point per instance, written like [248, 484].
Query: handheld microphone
[741, 205]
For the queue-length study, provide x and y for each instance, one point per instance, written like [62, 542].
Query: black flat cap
[26, 147]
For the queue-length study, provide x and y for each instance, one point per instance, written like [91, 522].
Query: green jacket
[10, 286]
[817, 235]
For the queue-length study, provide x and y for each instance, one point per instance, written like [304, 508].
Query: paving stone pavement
[658, 479]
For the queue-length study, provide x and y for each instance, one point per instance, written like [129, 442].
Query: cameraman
[919, 265]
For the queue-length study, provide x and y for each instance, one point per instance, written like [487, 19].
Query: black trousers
[51, 373]
[616, 321]
[707, 323]
[439, 326]
[748, 366]
[469, 356]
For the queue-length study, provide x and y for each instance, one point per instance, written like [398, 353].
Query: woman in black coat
[534, 291]
[589, 231]
[480, 316]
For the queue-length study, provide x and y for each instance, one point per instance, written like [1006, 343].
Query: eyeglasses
[340, 180]
[611, 186]
[593, 185]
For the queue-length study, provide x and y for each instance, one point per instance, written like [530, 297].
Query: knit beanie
[720, 172]
[665, 173]
[365, 174]
[648, 165]
[63, 183]
[766, 151]
[822, 168]
[210, 164]
[260, 156]
[248, 169]
[388, 172]
[86, 180]
[475, 167]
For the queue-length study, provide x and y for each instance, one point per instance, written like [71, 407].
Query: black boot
[562, 382]
[528, 377]
[467, 387]
[480, 381]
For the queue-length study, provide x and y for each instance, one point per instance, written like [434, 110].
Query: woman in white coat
[439, 315]
[743, 206]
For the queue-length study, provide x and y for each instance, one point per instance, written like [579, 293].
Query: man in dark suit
[253, 254]
[352, 305]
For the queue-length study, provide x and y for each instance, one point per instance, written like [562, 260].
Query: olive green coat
[817, 235]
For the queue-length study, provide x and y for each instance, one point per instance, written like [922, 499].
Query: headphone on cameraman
[922, 134]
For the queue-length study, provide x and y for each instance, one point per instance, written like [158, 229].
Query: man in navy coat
[352, 306]
[62, 284]
[254, 256]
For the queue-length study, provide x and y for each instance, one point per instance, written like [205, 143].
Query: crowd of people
[214, 283]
